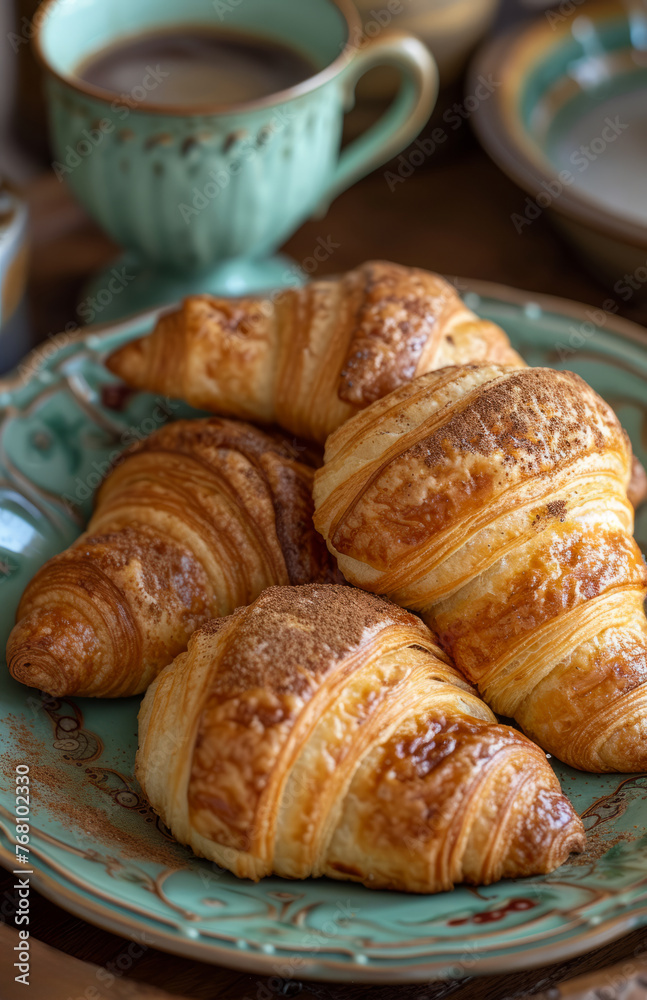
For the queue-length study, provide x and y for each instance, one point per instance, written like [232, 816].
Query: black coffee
[194, 66]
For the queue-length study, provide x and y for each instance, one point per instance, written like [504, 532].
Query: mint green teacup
[201, 198]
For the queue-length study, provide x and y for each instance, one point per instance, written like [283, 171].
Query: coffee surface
[194, 66]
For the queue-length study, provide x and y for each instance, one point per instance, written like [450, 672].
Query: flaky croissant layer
[321, 731]
[309, 358]
[494, 502]
[195, 521]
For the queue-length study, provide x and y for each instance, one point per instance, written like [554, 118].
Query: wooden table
[451, 215]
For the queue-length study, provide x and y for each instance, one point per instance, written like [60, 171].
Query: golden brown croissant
[320, 731]
[311, 357]
[195, 521]
[493, 501]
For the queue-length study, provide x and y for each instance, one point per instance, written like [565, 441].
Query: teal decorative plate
[97, 849]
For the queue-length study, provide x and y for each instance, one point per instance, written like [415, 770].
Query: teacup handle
[405, 117]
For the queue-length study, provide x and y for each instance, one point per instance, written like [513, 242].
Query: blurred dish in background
[568, 123]
[449, 28]
[13, 277]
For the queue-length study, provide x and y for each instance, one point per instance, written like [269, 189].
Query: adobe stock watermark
[284, 980]
[93, 305]
[89, 309]
[581, 333]
[581, 159]
[557, 15]
[108, 974]
[628, 284]
[218, 181]
[455, 117]
[224, 7]
[122, 107]
[292, 278]
[84, 488]
[29, 26]
[322, 251]
[374, 22]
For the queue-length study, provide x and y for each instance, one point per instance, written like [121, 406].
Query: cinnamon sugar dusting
[290, 634]
[557, 508]
[399, 310]
[599, 842]
[55, 786]
[518, 425]
[533, 416]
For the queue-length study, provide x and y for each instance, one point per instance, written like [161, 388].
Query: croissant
[493, 501]
[195, 521]
[309, 358]
[321, 731]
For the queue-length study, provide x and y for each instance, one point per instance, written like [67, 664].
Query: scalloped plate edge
[328, 969]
